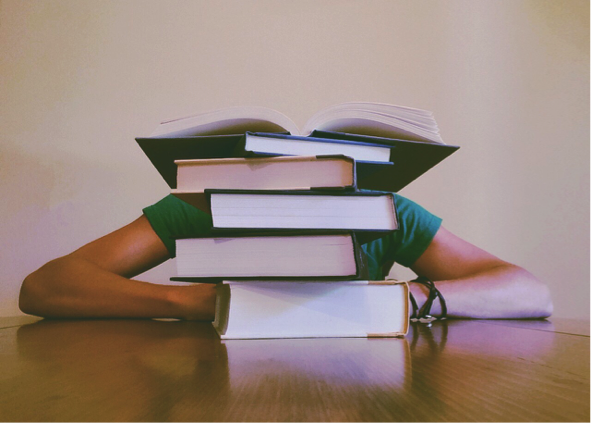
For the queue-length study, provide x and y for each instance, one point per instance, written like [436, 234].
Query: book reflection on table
[332, 361]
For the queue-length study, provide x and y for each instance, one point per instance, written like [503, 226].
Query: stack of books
[290, 209]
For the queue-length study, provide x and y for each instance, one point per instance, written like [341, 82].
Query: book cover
[411, 160]
[162, 152]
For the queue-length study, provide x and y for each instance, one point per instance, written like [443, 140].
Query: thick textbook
[276, 255]
[266, 173]
[296, 210]
[377, 119]
[311, 309]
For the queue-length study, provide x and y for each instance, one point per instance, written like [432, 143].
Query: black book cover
[411, 159]
[162, 152]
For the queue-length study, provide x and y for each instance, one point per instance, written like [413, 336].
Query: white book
[244, 209]
[351, 212]
[268, 173]
[311, 309]
[270, 256]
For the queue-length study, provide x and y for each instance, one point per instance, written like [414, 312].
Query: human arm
[476, 284]
[94, 281]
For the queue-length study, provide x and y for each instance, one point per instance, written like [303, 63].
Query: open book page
[376, 126]
[408, 114]
[381, 120]
[374, 119]
[234, 120]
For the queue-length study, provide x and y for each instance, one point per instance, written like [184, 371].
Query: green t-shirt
[173, 218]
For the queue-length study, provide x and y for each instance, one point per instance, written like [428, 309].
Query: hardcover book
[315, 255]
[296, 210]
[267, 173]
[281, 144]
[311, 309]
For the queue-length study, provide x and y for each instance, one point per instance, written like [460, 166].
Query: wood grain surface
[150, 370]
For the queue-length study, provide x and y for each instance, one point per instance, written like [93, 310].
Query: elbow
[35, 293]
[30, 298]
[26, 299]
[540, 298]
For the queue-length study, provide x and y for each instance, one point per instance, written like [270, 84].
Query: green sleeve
[173, 218]
[416, 229]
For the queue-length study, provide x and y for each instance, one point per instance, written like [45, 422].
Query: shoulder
[416, 229]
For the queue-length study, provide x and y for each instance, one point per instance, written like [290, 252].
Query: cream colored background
[508, 81]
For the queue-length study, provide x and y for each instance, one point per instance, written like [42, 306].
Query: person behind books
[95, 280]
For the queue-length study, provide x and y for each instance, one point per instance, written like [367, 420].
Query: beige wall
[508, 81]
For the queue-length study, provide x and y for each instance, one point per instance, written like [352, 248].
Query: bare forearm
[73, 287]
[502, 292]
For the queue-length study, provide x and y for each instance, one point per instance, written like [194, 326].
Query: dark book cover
[162, 152]
[411, 159]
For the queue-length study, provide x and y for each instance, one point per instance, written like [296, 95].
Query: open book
[374, 119]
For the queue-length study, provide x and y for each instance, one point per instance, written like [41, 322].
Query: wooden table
[150, 370]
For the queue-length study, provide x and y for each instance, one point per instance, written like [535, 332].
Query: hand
[196, 302]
